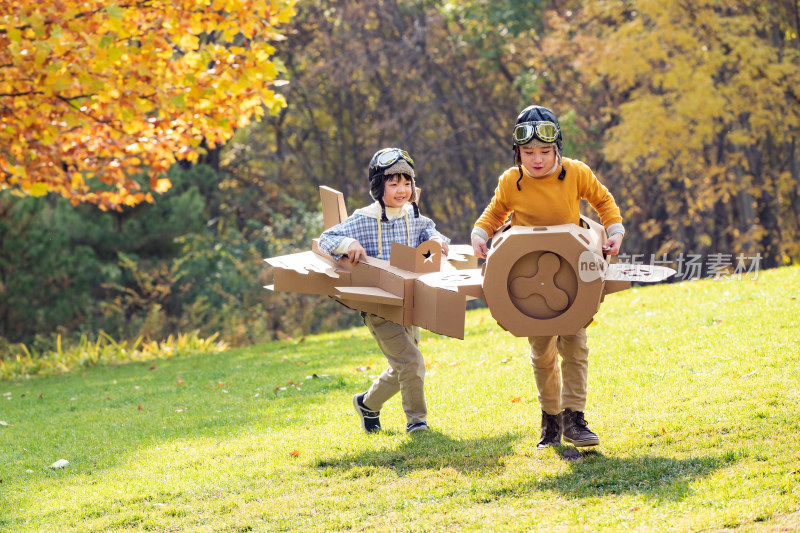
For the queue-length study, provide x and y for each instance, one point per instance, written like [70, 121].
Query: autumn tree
[92, 92]
[695, 108]
[369, 74]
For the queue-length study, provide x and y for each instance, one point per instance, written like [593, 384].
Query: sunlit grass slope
[694, 391]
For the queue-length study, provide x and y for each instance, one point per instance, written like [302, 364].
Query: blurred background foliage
[689, 112]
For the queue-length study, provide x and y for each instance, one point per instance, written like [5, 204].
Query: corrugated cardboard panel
[531, 281]
[462, 257]
[370, 295]
[305, 262]
[334, 210]
[309, 283]
[427, 257]
[466, 282]
[389, 312]
[638, 272]
[439, 310]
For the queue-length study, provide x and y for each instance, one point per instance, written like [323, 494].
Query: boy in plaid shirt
[370, 232]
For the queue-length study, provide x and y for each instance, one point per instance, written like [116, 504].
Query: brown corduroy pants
[563, 388]
[406, 372]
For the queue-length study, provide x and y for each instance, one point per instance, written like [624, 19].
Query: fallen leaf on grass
[664, 431]
[139, 407]
[153, 367]
[505, 360]
[517, 399]
[4, 423]
[295, 453]
[180, 381]
[455, 363]
[635, 509]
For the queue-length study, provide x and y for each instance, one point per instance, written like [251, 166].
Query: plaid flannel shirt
[366, 231]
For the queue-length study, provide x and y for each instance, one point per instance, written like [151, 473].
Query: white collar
[374, 211]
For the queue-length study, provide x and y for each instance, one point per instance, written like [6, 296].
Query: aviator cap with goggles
[386, 158]
[384, 163]
[537, 122]
[540, 124]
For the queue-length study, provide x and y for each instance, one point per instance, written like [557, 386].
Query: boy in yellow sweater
[544, 189]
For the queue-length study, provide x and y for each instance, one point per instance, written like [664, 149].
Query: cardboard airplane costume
[536, 280]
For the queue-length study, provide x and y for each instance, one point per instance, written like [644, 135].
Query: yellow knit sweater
[548, 201]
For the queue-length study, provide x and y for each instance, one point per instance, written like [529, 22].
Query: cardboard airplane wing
[390, 289]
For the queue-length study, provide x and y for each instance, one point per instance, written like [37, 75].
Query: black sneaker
[576, 431]
[370, 420]
[551, 431]
[418, 426]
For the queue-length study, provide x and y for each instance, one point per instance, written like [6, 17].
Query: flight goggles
[544, 130]
[390, 156]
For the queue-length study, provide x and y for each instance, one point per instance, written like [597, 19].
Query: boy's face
[538, 160]
[397, 190]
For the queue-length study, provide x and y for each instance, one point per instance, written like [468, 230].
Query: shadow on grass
[430, 450]
[590, 474]
[593, 474]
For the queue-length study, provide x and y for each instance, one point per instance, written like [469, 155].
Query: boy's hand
[479, 247]
[611, 246]
[356, 253]
[445, 248]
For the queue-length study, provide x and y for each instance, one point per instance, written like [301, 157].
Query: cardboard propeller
[545, 280]
[551, 280]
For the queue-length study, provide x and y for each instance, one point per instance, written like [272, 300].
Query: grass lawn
[693, 390]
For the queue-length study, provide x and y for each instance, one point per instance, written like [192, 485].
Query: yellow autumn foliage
[106, 90]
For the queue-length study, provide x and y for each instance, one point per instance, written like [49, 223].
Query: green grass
[694, 391]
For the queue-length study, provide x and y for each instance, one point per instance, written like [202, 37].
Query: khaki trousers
[406, 372]
[564, 389]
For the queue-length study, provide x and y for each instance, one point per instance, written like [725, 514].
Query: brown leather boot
[551, 431]
[576, 432]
